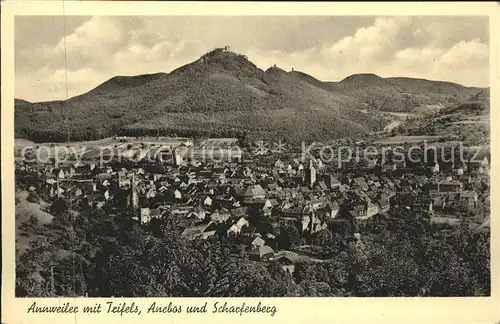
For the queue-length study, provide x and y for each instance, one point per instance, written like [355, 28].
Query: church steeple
[134, 197]
[311, 174]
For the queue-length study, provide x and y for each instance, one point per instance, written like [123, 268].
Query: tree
[288, 236]
[344, 227]
[391, 271]
[324, 238]
[304, 271]
[208, 269]
[33, 222]
[33, 197]
[284, 285]
[308, 288]
[29, 280]
[58, 207]
[120, 271]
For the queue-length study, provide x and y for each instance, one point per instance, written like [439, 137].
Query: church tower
[176, 158]
[134, 197]
[310, 174]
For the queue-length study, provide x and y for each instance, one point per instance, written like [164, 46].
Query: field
[218, 141]
[124, 147]
[409, 139]
[474, 120]
[403, 114]
[25, 210]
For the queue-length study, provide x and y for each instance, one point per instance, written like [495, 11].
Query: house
[384, 202]
[274, 203]
[242, 222]
[287, 260]
[386, 168]
[200, 231]
[273, 187]
[257, 242]
[305, 190]
[359, 210]
[89, 188]
[253, 193]
[261, 203]
[207, 234]
[293, 212]
[452, 221]
[100, 204]
[288, 220]
[208, 201]
[485, 162]
[305, 222]
[220, 215]
[397, 165]
[459, 169]
[322, 186]
[51, 181]
[262, 253]
[151, 193]
[181, 211]
[233, 230]
[236, 228]
[465, 179]
[468, 199]
[371, 210]
[332, 208]
[147, 214]
[446, 186]
[144, 216]
[239, 212]
[361, 183]
[266, 211]
[342, 188]
[197, 213]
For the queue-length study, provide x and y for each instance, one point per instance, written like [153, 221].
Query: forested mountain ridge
[225, 94]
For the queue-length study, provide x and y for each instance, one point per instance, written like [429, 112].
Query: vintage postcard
[242, 162]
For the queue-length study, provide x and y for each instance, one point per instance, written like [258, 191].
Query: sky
[58, 57]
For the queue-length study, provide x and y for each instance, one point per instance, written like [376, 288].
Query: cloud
[329, 48]
[369, 43]
[93, 42]
[381, 48]
[454, 63]
[472, 54]
[165, 56]
[99, 34]
[47, 84]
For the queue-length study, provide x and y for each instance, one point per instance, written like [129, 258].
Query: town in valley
[222, 179]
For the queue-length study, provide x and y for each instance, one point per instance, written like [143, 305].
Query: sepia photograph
[252, 156]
